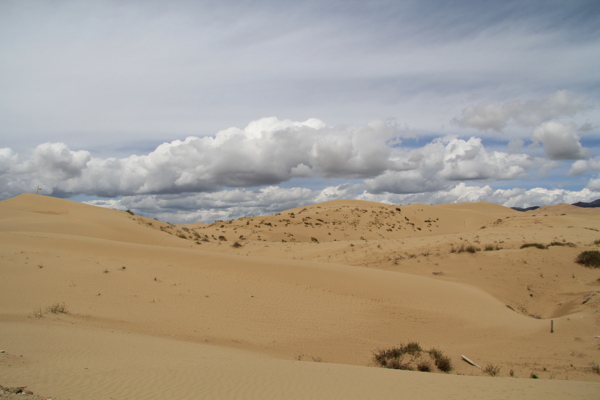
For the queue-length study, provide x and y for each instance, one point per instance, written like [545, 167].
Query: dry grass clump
[568, 244]
[491, 370]
[536, 245]
[58, 308]
[469, 249]
[590, 259]
[411, 357]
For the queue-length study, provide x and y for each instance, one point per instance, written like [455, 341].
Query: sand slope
[157, 308]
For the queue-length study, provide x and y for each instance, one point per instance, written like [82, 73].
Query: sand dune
[293, 305]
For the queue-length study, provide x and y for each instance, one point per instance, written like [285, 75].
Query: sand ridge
[331, 282]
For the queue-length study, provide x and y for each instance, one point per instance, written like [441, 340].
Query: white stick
[470, 362]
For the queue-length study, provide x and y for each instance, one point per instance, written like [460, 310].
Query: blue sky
[195, 110]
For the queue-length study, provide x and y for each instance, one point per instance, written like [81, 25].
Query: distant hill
[593, 204]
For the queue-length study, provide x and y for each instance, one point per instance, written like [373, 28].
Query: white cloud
[496, 116]
[560, 141]
[580, 167]
[267, 152]
[437, 165]
[237, 203]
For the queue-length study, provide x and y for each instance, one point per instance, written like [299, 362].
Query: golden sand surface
[100, 304]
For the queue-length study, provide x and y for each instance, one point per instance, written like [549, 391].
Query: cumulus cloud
[266, 152]
[209, 177]
[560, 141]
[495, 116]
[580, 167]
[437, 165]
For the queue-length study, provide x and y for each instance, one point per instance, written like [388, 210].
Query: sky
[192, 111]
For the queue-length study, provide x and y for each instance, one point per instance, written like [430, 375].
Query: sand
[293, 305]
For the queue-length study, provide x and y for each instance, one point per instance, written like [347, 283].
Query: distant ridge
[593, 204]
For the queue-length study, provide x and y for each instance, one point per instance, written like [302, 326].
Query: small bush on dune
[471, 249]
[491, 370]
[441, 361]
[58, 308]
[536, 245]
[568, 244]
[590, 259]
[408, 357]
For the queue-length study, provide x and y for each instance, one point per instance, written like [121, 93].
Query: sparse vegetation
[568, 244]
[58, 308]
[410, 357]
[536, 245]
[128, 211]
[38, 313]
[236, 245]
[492, 370]
[533, 375]
[590, 259]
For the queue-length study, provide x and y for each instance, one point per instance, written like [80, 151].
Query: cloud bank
[268, 151]
[236, 171]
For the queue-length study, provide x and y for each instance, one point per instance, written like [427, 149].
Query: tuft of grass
[472, 249]
[128, 211]
[533, 375]
[595, 368]
[536, 245]
[236, 245]
[441, 361]
[424, 366]
[491, 370]
[590, 259]
[58, 308]
[568, 244]
[315, 240]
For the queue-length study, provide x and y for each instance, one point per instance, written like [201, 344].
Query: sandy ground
[293, 305]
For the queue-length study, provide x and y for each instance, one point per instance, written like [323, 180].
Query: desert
[100, 303]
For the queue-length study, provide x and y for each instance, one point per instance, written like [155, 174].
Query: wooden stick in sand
[470, 362]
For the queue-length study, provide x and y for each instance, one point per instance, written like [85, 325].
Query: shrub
[568, 244]
[222, 238]
[441, 361]
[128, 211]
[236, 245]
[537, 245]
[408, 357]
[424, 366]
[590, 259]
[472, 249]
[58, 308]
[491, 369]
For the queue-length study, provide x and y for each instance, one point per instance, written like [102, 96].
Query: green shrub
[590, 259]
